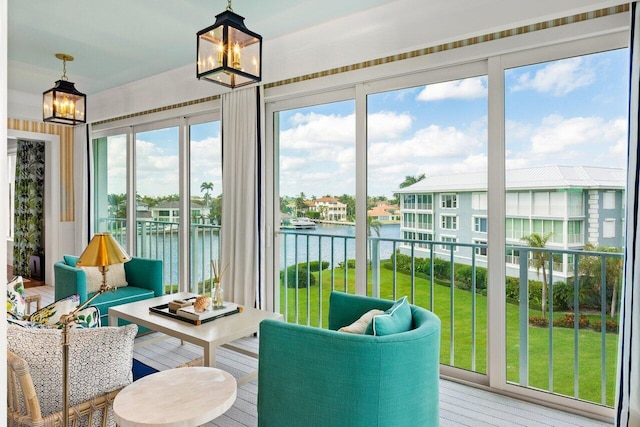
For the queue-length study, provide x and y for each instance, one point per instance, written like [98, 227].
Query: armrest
[145, 273]
[68, 281]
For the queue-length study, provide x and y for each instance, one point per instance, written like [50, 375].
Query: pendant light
[228, 53]
[63, 103]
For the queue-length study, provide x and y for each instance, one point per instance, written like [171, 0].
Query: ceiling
[119, 41]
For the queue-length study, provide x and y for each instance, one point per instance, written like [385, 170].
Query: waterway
[332, 242]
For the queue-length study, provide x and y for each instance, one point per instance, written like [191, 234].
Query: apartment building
[574, 205]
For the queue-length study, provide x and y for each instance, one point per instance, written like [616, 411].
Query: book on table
[189, 312]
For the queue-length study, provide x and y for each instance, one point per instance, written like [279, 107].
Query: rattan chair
[23, 407]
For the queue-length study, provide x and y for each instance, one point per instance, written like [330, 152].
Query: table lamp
[103, 250]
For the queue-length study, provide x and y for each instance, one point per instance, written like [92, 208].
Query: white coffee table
[175, 397]
[209, 335]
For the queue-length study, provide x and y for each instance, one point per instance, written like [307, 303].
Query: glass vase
[217, 299]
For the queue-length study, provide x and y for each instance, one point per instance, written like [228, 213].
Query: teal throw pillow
[395, 320]
[70, 260]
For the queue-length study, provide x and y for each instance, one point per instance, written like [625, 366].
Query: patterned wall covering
[67, 201]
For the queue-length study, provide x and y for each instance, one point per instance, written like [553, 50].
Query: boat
[301, 223]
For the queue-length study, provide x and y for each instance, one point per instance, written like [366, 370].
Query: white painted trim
[52, 225]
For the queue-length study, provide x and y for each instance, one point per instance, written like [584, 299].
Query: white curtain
[628, 392]
[81, 167]
[241, 196]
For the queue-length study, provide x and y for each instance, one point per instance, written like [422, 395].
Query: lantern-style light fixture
[228, 52]
[63, 103]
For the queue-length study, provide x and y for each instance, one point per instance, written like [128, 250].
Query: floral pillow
[50, 315]
[16, 304]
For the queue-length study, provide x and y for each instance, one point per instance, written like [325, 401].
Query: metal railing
[454, 286]
[159, 240]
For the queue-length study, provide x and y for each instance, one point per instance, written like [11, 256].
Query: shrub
[612, 326]
[464, 275]
[302, 276]
[567, 321]
[538, 321]
[513, 288]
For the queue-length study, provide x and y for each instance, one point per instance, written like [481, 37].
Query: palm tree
[410, 180]
[372, 225]
[591, 268]
[535, 240]
[206, 187]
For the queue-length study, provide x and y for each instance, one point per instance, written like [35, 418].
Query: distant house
[330, 209]
[170, 211]
[385, 213]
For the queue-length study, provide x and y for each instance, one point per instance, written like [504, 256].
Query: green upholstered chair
[144, 278]
[317, 377]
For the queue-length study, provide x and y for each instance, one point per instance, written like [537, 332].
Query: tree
[206, 188]
[539, 258]
[410, 180]
[372, 225]
[117, 205]
[300, 203]
[591, 269]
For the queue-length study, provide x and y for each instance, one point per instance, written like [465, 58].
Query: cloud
[471, 88]
[432, 142]
[558, 134]
[557, 78]
[313, 130]
[387, 125]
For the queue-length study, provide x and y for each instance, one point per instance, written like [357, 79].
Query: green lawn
[458, 352]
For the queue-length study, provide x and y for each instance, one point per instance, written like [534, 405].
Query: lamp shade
[228, 52]
[102, 250]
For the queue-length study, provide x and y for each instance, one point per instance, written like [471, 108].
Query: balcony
[571, 345]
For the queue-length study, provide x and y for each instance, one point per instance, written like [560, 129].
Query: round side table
[175, 397]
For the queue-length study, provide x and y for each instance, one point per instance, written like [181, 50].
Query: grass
[459, 352]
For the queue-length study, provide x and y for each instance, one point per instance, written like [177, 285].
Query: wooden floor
[460, 405]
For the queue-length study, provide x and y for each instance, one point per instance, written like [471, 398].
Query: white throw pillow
[115, 277]
[100, 361]
[360, 325]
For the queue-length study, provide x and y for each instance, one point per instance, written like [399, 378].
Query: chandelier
[63, 103]
[228, 53]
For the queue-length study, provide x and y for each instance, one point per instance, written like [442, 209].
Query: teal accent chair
[144, 278]
[310, 376]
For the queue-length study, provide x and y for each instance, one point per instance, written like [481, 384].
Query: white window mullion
[184, 225]
[496, 191]
[361, 191]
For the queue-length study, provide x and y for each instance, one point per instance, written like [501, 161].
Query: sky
[568, 112]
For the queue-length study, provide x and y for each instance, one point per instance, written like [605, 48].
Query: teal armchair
[144, 278]
[317, 377]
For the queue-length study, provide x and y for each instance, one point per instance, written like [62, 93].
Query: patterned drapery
[28, 203]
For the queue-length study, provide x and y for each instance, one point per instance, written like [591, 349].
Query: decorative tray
[163, 309]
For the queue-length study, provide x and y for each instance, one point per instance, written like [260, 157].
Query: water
[329, 240]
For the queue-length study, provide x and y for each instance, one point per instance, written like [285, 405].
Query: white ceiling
[120, 41]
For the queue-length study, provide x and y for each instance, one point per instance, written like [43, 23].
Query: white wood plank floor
[460, 405]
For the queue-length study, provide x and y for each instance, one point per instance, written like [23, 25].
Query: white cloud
[387, 125]
[558, 134]
[433, 142]
[313, 130]
[558, 77]
[459, 89]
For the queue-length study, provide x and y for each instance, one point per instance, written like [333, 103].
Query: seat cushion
[100, 361]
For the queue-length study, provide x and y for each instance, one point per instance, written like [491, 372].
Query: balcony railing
[568, 349]
[159, 240]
